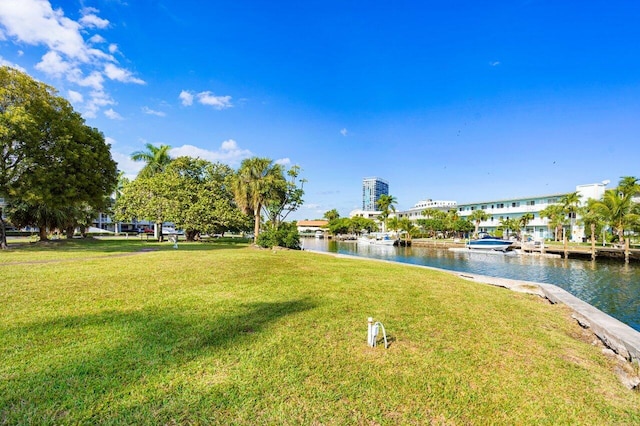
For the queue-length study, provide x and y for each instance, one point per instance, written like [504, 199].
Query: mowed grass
[227, 334]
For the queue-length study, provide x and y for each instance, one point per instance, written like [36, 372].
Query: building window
[501, 206]
[483, 207]
[473, 208]
[516, 204]
[531, 203]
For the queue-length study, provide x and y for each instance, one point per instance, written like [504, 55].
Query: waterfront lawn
[228, 334]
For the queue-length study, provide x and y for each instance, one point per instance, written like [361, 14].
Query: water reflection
[610, 285]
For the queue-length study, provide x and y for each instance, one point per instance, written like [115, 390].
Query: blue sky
[459, 100]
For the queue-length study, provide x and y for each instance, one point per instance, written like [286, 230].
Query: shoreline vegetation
[136, 332]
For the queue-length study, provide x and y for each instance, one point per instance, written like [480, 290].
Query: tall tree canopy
[50, 160]
[192, 193]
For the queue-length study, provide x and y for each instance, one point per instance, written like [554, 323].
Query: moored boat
[378, 238]
[489, 243]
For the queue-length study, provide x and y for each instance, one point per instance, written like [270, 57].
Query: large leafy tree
[192, 193]
[147, 198]
[205, 202]
[51, 161]
[258, 182]
[340, 225]
[156, 159]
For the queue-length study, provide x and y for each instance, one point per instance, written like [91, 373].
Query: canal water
[610, 285]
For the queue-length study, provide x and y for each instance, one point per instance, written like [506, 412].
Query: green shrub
[285, 235]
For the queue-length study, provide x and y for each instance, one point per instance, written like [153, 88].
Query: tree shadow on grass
[75, 377]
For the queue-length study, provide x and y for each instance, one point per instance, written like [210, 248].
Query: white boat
[379, 238]
[319, 234]
[489, 243]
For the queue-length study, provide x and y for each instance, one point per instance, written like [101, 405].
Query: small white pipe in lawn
[372, 333]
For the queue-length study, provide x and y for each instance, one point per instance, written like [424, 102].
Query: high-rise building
[372, 189]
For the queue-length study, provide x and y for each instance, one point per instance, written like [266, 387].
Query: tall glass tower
[372, 189]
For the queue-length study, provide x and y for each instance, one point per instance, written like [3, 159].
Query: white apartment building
[415, 212]
[513, 208]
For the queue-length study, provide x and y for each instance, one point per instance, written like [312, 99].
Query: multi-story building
[515, 208]
[372, 189]
[415, 212]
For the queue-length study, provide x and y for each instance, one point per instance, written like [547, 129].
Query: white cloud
[53, 64]
[205, 98]
[186, 98]
[110, 113]
[75, 97]
[149, 111]
[229, 153]
[83, 62]
[109, 140]
[120, 74]
[97, 39]
[94, 80]
[126, 164]
[494, 63]
[35, 22]
[218, 102]
[93, 21]
[283, 161]
[344, 132]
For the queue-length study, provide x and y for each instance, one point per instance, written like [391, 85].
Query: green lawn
[100, 332]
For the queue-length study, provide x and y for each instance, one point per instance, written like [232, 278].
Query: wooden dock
[608, 252]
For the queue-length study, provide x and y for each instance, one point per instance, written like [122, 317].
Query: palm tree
[570, 203]
[156, 159]
[451, 217]
[509, 224]
[524, 221]
[409, 227]
[255, 184]
[331, 215]
[394, 224]
[590, 216]
[618, 210]
[476, 217]
[556, 215]
[629, 185]
[386, 203]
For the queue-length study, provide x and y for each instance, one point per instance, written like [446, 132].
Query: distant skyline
[462, 100]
